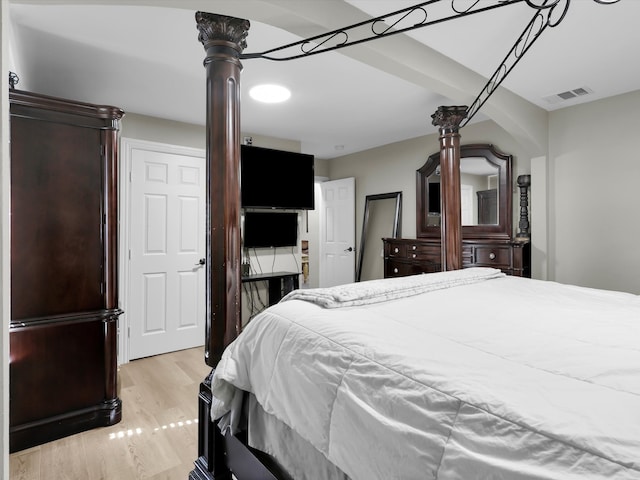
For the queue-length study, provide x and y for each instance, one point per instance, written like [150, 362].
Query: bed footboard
[220, 455]
[211, 462]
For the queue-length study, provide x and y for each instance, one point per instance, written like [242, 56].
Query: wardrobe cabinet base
[53, 428]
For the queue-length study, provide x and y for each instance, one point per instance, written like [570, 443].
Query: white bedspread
[507, 378]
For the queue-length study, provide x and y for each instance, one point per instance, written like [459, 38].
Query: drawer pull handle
[492, 256]
[395, 270]
[414, 255]
[395, 250]
[413, 247]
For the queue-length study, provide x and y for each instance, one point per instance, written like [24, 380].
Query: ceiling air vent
[568, 95]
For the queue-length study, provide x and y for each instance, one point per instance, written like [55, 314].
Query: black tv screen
[434, 197]
[276, 179]
[270, 229]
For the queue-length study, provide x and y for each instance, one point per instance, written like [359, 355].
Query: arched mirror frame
[500, 231]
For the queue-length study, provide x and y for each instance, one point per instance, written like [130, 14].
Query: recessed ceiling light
[270, 93]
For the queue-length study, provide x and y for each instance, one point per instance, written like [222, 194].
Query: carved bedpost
[224, 39]
[448, 119]
[524, 182]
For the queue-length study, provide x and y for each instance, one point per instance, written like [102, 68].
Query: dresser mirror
[485, 189]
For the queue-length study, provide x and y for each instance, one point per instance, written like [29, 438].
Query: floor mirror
[382, 219]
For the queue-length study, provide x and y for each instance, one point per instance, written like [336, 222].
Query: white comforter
[504, 378]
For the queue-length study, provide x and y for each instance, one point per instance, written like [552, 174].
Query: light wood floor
[156, 439]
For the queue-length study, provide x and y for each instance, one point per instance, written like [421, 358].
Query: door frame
[127, 146]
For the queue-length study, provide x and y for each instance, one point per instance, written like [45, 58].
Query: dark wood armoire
[64, 299]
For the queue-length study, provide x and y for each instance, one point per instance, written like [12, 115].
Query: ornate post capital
[221, 30]
[449, 118]
[13, 80]
[524, 180]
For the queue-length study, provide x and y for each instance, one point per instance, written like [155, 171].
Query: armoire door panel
[60, 216]
[35, 381]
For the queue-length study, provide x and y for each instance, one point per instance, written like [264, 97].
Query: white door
[337, 232]
[166, 306]
[466, 206]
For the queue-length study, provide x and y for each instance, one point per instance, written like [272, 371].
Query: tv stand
[280, 283]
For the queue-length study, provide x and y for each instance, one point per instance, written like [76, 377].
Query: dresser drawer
[491, 256]
[396, 250]
[413, 251]
[401, 269]
[467, 255]
[423, 252]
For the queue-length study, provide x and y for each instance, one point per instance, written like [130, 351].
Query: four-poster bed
[452, 422]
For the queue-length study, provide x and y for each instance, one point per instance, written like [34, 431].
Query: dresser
[64, 302]
[487, 236]
[404, 256]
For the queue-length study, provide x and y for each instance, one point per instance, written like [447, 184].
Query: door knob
[202, 261]
[350, 249]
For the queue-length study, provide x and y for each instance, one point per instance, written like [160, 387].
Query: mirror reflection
[485, 177]
[479, 193]
[381, 220]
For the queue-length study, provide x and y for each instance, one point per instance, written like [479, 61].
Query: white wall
[152, 129]
[594, 177]
[312, 230]
[538, 216]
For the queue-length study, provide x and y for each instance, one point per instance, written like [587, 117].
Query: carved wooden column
[224, 39]
[524, 182]
[448, 119]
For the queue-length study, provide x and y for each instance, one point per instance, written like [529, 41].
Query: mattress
[473, 376]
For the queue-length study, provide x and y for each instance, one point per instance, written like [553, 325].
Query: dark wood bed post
[224, 39]
[448, 119]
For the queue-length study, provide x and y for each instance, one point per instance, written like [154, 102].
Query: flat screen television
[434, 197]
[276, 179]
[270, 229]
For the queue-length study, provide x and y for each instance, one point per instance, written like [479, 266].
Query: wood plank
[156, 439]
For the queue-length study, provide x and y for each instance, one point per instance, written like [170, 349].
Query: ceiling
[144, 57]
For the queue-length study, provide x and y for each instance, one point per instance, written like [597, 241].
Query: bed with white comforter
[457, 375]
